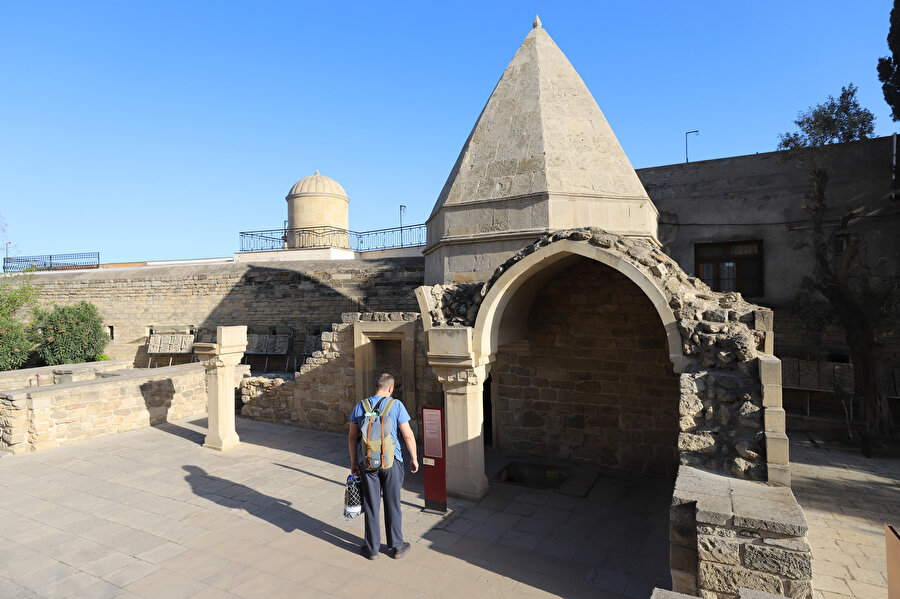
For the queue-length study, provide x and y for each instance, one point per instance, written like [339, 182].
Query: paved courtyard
[847, 499]
[151, 513]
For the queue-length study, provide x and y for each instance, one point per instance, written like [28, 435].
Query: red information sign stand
[434, 460]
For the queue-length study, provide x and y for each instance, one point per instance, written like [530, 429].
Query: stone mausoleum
[541, 313]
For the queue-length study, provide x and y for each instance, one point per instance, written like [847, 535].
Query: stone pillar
[450, 356]
[220, 358]
[464, 422]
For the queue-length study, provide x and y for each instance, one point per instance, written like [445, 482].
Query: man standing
[386, 482]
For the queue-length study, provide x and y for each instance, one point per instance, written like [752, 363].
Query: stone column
[464, 421]
[220, 358]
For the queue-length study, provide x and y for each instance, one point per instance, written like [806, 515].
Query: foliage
[103, 358]
[889, 66]
[17, 294]
[834, 121]
[69, 334]
[15, 344]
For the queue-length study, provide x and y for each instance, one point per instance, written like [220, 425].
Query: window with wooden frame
[732, 266]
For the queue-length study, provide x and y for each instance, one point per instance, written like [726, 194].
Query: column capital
[460, 376]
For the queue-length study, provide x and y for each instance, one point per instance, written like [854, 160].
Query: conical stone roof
[541, 157]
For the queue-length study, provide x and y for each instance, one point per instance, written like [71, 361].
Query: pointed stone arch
[531, 272]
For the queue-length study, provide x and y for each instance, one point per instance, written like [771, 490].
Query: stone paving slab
[151, 513]
[847, 498]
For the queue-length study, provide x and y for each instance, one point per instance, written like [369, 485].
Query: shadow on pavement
[273, 510]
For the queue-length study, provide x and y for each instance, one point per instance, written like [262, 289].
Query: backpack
[376, 447]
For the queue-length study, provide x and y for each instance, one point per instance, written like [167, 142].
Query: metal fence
[52, 262]
[311, 237]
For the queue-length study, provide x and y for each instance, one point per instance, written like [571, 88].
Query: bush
[15, 346]
[69, 334]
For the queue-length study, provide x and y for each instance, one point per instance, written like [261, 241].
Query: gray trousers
[375, 485]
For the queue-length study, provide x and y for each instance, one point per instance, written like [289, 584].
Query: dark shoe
[401, 551]
[365, 553]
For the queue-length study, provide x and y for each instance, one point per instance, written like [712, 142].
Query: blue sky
[160, 130]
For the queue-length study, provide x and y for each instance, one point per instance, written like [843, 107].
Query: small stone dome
[318, 185]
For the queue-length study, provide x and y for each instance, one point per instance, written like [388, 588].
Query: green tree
[836, 120]
[842, 289]
[17, 295]
[69, 334]
[889, 66]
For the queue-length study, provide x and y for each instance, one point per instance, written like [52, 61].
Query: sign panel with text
[434, 460]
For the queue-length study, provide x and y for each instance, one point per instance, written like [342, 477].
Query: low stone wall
[63, 373]
[38, 418]
[727, 534]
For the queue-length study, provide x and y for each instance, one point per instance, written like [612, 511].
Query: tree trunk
[854, 319]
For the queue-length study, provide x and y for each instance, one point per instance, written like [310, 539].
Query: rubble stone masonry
[323, 392]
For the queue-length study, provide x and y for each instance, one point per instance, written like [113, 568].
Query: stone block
[769, 369]
[799, 589]
[664, 594]
[791, 564]
[772, 395]
[774, 419]
[703, 442]
[779, 475]
[728, 579]
[769, 510]
[753, 594]
[718, 549]
[763, 320]
[714, 509]
[777, 448]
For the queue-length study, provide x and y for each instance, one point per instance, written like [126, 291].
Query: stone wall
[727, 533]
[596, 382]
[760, 197]
[301, 296]
[323, 392]
[38, 418]
[63, 373]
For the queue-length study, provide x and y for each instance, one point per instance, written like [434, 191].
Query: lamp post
[402, 212]
[686, 133]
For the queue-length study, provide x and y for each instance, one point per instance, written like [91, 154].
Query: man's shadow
[273, 510]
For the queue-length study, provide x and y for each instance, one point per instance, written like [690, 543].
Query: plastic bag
[352, 498]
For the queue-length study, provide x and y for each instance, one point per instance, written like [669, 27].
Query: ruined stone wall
[323, 392]
[596, 382]
[728, 534]
[39, 418]
[302, 296]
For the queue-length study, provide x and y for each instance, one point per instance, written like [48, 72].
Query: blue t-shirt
[398, 416]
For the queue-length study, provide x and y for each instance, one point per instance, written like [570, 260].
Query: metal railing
[312, 237]
[52, 262]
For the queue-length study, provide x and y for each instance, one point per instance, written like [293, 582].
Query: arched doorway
[589, 378]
